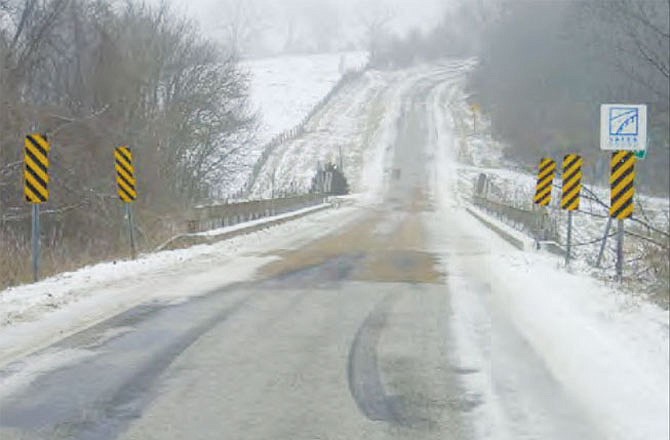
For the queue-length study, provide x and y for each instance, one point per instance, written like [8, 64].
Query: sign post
[545, 182]
[601, 252]
[622, 182]
[623, 131]
[623, 127]
[572, 187]
[131, 231]
[35, 242]
[127, 189]
[619, 250]
[36, 188]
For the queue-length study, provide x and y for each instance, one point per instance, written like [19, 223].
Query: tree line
[97, 74]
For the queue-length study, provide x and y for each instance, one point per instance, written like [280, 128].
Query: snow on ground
[608, 349]
[360, 123]
[513, 313]
[515, 185]
[33, 315]
[284, 89]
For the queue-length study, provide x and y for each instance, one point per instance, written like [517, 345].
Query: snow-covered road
[398, 317]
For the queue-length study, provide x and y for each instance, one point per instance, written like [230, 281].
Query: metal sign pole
[131, 230]
[623, 131]
[604, 242]
[569, 240]
[127, 188]
[36, 245]
[619, 251]
[36, 187]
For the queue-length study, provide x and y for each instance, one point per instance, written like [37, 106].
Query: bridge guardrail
[536, 222]
[205, 218]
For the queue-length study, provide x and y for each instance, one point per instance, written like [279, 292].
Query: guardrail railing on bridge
[536, 222]
[205, 218]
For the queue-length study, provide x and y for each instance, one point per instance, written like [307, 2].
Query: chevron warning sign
[572, 182]
[622, 183]
[36, 171]
[545, 181]
[125, 174]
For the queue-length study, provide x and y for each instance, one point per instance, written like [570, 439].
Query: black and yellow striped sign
[545, 181]
[36, 170]
[125, 174]
[622, 183]
[572, 181]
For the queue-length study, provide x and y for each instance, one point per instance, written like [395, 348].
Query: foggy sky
[407, 14]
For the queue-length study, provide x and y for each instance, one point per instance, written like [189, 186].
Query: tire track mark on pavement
[121, 377]
[363, 371]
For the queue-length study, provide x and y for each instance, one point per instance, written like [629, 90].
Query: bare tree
[242, 23]
[376, 19]
[634, 36]
[99, 74]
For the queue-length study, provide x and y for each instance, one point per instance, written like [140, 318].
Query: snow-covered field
[284, 89]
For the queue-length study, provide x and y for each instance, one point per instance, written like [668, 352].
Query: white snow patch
[285, 88]
[252, 223]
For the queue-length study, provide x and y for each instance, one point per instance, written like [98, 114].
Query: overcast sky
[212, 14]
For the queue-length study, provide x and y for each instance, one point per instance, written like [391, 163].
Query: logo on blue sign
[624, 121]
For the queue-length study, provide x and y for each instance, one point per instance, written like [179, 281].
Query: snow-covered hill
[284, 89]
